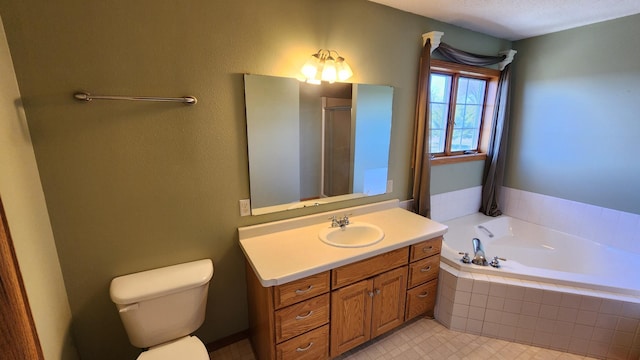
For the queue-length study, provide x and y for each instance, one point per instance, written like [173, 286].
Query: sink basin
[353, 235]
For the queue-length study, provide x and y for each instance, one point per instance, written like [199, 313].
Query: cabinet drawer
[298, 318]
[426, 248]
[423, 270]
[421, 299]
[351, 273]
[310, 346]
[303, 289]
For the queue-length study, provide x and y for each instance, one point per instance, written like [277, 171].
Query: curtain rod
[88, 97]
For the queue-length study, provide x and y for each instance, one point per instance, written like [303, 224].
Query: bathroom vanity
[312, 300]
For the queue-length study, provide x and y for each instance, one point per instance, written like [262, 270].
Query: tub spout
[478, 253]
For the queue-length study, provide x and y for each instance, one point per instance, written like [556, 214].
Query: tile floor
[424, 339]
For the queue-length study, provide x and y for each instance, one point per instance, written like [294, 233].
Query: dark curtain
[496, 154]
[421, 153]
[463, 57]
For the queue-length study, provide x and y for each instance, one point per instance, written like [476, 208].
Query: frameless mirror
[314, 144]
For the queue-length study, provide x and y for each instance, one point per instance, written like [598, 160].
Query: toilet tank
[162, 304]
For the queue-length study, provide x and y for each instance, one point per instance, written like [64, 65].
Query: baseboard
[227, 340]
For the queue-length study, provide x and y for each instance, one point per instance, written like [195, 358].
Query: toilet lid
[187, 348]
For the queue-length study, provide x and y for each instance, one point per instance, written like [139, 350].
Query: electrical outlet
[389, 186]
[245, 207]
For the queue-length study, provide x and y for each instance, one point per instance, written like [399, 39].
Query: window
[461, 102]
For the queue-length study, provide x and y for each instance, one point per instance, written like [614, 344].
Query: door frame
[19, 335]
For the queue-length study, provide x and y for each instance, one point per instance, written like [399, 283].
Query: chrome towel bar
[88, 97]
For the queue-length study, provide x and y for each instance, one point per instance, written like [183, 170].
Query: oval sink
[352, 235]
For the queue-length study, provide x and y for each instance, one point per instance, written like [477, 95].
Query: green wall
[133, 186]
[575, 115]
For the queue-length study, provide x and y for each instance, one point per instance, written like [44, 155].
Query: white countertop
[288, 250]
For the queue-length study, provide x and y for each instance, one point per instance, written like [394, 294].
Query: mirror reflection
[314, 144]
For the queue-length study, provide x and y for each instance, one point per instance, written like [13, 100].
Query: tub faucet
[478, 253]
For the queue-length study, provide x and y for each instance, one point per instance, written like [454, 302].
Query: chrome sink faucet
[339, 222]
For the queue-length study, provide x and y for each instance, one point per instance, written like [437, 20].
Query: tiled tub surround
[552, 314]
[585, 322]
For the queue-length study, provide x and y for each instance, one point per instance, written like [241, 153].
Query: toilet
[160, 308]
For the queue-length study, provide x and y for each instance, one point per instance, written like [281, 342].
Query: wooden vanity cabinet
[324, 315]
[424, 266]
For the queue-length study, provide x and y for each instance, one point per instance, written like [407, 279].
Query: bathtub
[555, 290]
[541, 254]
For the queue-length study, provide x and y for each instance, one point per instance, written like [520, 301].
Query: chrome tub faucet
[479, 257]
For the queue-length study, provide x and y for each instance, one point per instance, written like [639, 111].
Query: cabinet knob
[370, 293]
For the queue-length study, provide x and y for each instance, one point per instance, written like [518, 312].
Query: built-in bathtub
[555, 290]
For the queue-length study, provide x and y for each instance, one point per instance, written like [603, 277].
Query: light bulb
[329, 71]
[344, 70]
[310, 68]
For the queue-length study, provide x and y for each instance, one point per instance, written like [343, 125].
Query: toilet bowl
[188, 347]
[160, 308]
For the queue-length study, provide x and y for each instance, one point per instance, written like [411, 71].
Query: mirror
[314, 144]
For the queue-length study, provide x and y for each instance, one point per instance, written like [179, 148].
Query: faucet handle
[465, 257]
[334, 221]
[495, 263]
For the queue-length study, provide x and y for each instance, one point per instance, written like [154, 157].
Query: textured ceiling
[517, 19]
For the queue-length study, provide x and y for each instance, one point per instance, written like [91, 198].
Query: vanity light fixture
[326, 65]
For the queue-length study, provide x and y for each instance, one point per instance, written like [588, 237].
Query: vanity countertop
[288, 250]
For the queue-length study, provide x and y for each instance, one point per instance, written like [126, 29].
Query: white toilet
[160, 308]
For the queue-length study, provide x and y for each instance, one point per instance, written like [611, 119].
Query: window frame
[456, 70]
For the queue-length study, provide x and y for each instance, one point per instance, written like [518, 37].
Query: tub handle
[424, 270]
[489, 233]
[301, 317]
[423, 295]
[300, 292]
[495, 263]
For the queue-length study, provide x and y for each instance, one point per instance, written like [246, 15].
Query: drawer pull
[427, 248]
[428, 268]
[300, 317]
[305, 348]
[300, 292]
[423, 295]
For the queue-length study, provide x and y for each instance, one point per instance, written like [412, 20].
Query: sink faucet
[478, 253]
[339, 222]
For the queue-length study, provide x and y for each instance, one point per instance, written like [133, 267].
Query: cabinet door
[299, 318]
[351, 316]
[421, 300]
[390, 290]
[424, 270]
[313, 345]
